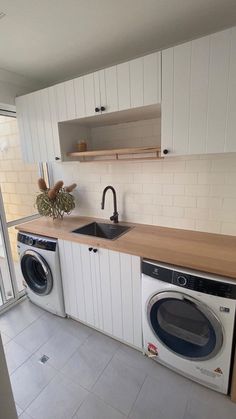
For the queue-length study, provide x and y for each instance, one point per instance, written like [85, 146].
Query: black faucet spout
[114, 217]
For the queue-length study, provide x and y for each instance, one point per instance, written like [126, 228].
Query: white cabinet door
[139, 82]
[37, 118]
[123, 86]
[89, 95]
[54, 121]
[152, 79]
[120, 281]
[199, 95]
[103, 289]
[70, 99]
[23, 117]
[111, 90]
[79, 97]
[60, 95]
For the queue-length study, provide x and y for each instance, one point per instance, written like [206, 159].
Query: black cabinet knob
[95, 250]
[90, 249]
[165, 151]
[103, 108]
[57, 158]
[97, 109]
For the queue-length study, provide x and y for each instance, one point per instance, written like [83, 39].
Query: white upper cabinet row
[132, 84]
[199, 95]
[195, 83]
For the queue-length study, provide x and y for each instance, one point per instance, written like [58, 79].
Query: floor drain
[43, 359]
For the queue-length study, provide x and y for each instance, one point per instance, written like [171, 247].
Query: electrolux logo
[224, 309]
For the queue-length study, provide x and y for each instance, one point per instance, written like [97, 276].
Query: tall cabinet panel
[199, 94]
[152, 78]
[79, 97]
[230, 143]
[123, 86]
[182, 56]
[219, 61]
[198, 104]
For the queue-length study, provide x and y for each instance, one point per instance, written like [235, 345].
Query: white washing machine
[188, 322]
[40, 266]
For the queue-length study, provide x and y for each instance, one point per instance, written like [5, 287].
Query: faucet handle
[114, 217]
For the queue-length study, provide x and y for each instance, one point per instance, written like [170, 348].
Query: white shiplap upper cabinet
[103, 289]
[199, 95]
[35, 126]
[128, 85]
[132, 84]
[139, 82]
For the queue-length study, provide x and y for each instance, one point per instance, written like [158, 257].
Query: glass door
[8, 291]
[18, 190]
[185, 326]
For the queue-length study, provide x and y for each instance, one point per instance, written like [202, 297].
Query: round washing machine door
[36, 272]
[185, 326]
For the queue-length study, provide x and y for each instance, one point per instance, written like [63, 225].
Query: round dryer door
[184, 325]
[36, 272]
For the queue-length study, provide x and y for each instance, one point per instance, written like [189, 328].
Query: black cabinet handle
[165, 151]
[103, 108]
[90, 249]
[95, 250]
[57, 158]
[97, 109]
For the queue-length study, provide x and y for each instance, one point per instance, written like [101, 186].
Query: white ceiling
[54, 40]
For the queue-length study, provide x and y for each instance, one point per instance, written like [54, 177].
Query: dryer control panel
[191, 281]
[38, 242]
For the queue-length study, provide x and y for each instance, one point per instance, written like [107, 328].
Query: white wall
[12, 85]
[197, 192]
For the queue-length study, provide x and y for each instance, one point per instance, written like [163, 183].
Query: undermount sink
[103, 230]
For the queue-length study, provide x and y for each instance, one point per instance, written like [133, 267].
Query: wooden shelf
[116, 153]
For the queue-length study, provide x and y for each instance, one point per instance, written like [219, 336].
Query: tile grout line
[137, 395]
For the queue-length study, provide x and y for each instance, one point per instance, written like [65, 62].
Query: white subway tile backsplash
[196, 213]
[166, 178]
[209, 202]
[229, 203]
[175, 212]
[197, 190]
[198, 165]
[173, 190]
[193, 192]
[182, 179]
[211, 178]
[208, 226]
[174, 165]
[185, 201]
[152, 188]
[228, 228]
[224, 165]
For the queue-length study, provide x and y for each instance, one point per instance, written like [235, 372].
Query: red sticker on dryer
[152, 349]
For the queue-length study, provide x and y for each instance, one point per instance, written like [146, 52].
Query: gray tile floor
[90, 376]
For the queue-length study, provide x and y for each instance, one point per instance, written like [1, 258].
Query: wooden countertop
[213, 253]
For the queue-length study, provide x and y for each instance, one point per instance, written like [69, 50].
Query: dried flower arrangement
[56, 201]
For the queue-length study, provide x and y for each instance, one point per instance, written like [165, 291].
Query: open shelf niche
[120, 136]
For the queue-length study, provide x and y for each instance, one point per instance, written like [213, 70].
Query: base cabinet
[103, 289]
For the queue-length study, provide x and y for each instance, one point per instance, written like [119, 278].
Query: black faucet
[114, 217]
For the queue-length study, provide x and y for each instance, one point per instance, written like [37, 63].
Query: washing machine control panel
[37, 242]
[193, 282]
